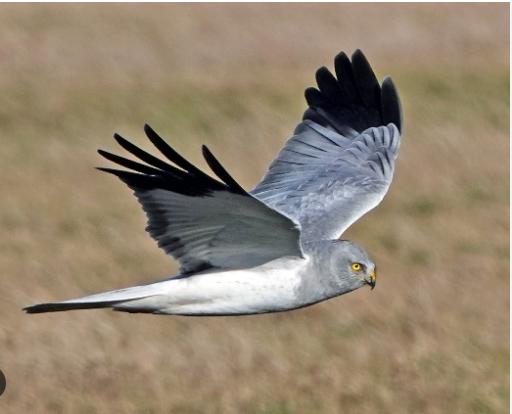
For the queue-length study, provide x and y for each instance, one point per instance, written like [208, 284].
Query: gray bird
[277, 247]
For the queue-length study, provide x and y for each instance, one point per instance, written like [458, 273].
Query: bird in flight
[277, 247]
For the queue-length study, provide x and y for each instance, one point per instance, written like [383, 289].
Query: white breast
[267, 288]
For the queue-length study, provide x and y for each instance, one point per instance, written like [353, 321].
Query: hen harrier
[275, 248]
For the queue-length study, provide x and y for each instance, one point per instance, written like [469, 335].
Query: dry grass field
[432, 338]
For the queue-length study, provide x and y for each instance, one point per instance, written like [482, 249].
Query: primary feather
[340, 161]
[204, 223]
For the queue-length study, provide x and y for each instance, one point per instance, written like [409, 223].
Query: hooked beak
[373, 280]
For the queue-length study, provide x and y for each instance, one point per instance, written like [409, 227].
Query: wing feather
[340, 162]
[203, 223]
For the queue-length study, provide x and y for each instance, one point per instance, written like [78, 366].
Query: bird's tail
[144, 299]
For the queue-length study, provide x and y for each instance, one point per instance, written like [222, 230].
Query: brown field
[432, 338]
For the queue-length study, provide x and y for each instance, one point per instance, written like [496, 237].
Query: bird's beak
[373, 279]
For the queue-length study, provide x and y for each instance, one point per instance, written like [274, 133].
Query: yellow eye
[356, 266]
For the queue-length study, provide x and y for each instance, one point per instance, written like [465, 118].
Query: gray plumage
[275, 248]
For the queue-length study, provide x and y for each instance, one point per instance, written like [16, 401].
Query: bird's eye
[356, 266]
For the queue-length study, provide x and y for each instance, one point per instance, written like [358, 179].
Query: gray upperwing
[329, 193]
[340, 162]
[203, 223]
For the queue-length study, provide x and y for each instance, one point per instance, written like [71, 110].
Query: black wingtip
[358, 54]
[221, 172]
[148, 130]
[313, 97]
[134, 165]
[354, 99]
[391, 105]
[118, 137]
[156, 139]
[172, 154]
[187, 179]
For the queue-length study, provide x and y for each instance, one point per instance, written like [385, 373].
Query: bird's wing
[339, 163]
[202, 222]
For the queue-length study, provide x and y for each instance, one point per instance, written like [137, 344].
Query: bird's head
[351, 266]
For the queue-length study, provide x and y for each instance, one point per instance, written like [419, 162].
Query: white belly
[268, 288]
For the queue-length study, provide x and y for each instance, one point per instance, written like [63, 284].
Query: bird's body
[268, 288]
[275, 248]
[281, 284]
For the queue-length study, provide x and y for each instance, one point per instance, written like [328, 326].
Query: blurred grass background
[432, 338]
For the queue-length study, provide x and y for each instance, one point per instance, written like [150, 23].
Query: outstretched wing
[339, 163]
[203, 223]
